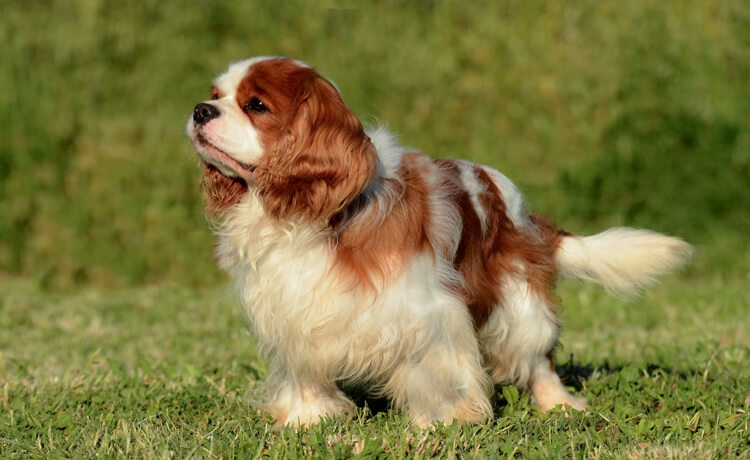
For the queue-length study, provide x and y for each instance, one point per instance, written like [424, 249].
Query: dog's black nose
[204, 113]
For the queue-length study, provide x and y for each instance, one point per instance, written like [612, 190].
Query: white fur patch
[474, 188]
[512, 197]
[518, 333]
[621, 259]
[230, 80]
[389, 152]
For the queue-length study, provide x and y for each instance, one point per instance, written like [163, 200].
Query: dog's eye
[255, 105]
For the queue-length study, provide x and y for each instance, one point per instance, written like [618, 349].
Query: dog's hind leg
[548, 391]
[517, 339]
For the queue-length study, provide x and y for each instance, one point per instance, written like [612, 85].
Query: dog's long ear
[322, 161]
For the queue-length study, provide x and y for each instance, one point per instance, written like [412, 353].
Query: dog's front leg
[298, 403]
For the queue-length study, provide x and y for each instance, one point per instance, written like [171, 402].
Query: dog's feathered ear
[321, 162]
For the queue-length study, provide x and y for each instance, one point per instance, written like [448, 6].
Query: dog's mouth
[225, 161]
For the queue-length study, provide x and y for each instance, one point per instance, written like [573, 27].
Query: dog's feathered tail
[621, 259]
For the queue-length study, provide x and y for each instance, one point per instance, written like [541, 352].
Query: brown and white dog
[363, 263]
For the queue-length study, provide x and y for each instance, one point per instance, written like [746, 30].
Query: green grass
[168, 371]
[119, 337]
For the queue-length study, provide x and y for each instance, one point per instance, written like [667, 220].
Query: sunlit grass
[167, 370]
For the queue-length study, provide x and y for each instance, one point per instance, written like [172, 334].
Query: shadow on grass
[574, 375]
[571, 373]
[359, 394]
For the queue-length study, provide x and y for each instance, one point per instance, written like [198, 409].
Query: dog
[360, 262]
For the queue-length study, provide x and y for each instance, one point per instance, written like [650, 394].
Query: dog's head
[275, 127]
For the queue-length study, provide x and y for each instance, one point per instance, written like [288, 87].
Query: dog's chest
[276, 266]
[291, 289]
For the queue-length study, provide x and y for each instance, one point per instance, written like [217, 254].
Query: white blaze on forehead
[228, 82]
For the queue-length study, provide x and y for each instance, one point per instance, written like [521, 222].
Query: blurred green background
[602, 112]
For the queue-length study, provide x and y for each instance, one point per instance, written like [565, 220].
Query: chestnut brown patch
[318, 158]
[372, 251]
[483, 258]
[221, 191]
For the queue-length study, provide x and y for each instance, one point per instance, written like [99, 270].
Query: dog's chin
[230, 174]
[219, 160]
[220, 174]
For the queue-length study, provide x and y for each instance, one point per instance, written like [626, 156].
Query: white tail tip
[621, 259]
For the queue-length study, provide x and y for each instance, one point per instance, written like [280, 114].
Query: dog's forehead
[228, 82]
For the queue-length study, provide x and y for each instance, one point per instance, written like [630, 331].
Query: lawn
[168, 370]
[119, 337]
